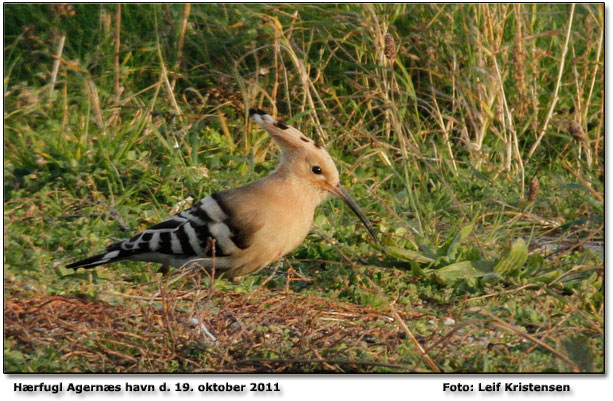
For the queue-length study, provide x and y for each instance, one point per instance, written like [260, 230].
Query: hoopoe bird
[241, 230]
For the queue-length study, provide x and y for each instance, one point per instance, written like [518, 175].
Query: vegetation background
[471, 134]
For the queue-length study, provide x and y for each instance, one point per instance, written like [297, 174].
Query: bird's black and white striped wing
[184, 236]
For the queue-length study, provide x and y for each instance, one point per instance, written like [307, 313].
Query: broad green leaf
[416, 270]
[514, 260]
[457, 240]
[456, 271]
[547, 277]
[408, 254]
[426, 248]
[491, 278]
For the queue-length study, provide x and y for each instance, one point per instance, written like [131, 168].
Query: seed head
[574, 129]
[534, 189]
[390, 47]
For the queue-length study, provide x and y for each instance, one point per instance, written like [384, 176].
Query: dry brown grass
[252, 332]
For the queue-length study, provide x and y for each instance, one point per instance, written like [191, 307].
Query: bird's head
[308, 161]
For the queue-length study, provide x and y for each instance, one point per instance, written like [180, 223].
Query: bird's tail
[101, 259]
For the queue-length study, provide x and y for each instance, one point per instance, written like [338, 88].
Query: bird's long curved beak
[342, 193]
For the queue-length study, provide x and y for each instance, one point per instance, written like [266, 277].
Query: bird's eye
[316, 169]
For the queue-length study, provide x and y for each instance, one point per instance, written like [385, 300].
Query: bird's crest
[286, 136]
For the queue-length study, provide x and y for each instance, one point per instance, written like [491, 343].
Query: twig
[403, 326]
[394, 312]
[585, 183]
[511, 291]
[320, 361]
[551, 330]
[121, 355]
[577, 245]
[498, 322]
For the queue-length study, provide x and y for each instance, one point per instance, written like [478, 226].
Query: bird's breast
[287, 217]
[286, 228]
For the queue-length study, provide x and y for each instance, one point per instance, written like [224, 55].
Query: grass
[471, 134]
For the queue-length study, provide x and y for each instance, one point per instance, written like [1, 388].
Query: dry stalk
[90, 87]
[56, 64]
[65, 101]
[128, 99]
[320, 361]
[164, 78]
[555, 99]
[550, 331]
[507, 114]
[446, 339]
[117, 48]
[307, 84]
[186, 13]
[443, 126]
[589, 96]
[225, 129]
[392, 309]
[583, 182]
[167, 309]
[92, 92]
[498, 322]
[594, 73]
[275, 86]
[519, 62]
[402, 325]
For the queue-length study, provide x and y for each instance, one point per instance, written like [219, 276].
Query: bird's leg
[274, 271]
[290, 270]
[211, 243]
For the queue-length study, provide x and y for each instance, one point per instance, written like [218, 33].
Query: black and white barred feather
[181, 238]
